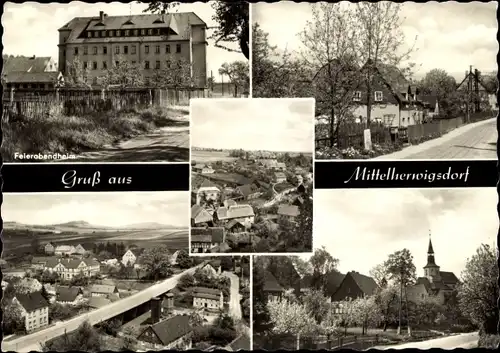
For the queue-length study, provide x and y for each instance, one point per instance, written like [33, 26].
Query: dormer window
[127, 33]
[136, 32]
[118, 33]
[96, 34]
[111, 33]
[143, 32]
[357, 96]
[150, 32]
[103, 34]
[159, 20]
[129, 22]
[378, 96]
[89, 34]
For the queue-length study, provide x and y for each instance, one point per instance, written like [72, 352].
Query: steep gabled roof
[67, 294]
[24, 64]
[32, 301]
[271, 284]
[448, 277]
[172, 329]
[367, 284]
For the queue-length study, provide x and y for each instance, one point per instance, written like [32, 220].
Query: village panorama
[251, 200]
[118, 287]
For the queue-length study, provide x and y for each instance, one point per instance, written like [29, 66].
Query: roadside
[463, 340]
[152, 134]
[234, 300]
[471, 141]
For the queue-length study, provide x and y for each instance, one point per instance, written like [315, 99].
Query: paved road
[465, 340]
[167, 144]
[473, 141]
[234, 300]
[277, 197]
[32, 342]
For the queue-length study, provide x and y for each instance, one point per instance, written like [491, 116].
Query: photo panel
[392, 269]
[251, 176]
[113, 270]
[112, 82]
[386, 89]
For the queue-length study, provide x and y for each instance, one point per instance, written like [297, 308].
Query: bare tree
[380, 39]
[328, 42]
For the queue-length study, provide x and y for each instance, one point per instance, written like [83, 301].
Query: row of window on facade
[147, 65]
[42, 320]
[127, 33]
[378, 96]
[133, 50]
[30, 85]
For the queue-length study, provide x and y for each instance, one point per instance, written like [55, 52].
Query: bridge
[33, 341]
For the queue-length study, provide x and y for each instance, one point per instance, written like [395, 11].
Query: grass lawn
[76, 134]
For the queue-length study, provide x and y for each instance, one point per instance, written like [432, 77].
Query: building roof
[429, 99]
[367, 284]
[67, 294]
[200, 214]
[178, 23]
[229, 203]
[207, 235]
[68, 263]
[65, 248]
[271, 283]
[247, 189]
[288, 210]
[224, 247]
[280, 175]
[98, 302]
[32, 301]
[31, 64]
[236, 211]
[207, 293]
[172, 329]
[35, 77]
[281, 165]
[103, 288]
[448, 277]
[232, 223]
[208, 184]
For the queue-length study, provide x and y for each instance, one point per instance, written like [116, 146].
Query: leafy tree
[238, 73]
[104, 255]
[187, 280]
[232, 18]
[84, 339]
[45, 294]
[365, 312]
[77, 75]
[259, 307]
[184, 260]
[291, 318]
[330, 323]
[380, 275]
[440, 84]
[379, 40]
[60, 312]
[35, 244]
[402, 270]
[478, 293]
[322, 264]
[386, 298]
[13, 321]
[226, 263]
[123, 74]
[111, 327]
[178, 73]
[156, 261]
[426, 312]
[332, 60]
[276, 74]
[317, 304]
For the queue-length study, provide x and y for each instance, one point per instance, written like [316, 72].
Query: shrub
[489, 341]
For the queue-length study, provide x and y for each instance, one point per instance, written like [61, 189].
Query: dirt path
[167, 144]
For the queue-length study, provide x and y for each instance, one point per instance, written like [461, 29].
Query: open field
[211, 156]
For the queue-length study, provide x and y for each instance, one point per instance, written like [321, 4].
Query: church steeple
[431, 270]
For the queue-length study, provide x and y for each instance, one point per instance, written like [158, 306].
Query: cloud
[362, 227]
[257, 124]
[107, 209]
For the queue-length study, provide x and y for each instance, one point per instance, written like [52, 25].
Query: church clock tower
[431, 270]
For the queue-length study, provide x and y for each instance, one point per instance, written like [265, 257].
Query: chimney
[155, 310]
[101, 16]
[33, 57]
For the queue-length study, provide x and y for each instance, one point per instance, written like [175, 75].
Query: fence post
[57, 93]
[150, 97]
[103, 94]
[12, 94]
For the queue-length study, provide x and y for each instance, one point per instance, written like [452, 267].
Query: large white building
[34, 309]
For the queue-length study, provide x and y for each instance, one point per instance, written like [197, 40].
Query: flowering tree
[77, 75]
[292, 318]
[365, 312]
[238, 73]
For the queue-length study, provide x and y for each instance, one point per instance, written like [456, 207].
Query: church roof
[430, 250]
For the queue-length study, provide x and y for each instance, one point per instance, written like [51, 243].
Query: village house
[208, 298]
[64, 250]
[248, 192]
[394, 101]
[280, 166]
[207, 191]
[69, 268]
[288, 213]
[228, 203]
[34, 309]
[482, 98]
[204, 239]
[279, 177]
[103, 290]
[28, 285]
[49, 249]
[79, 249]
[40, 262]
[431, 106]
[354, 285]
[212, 268]
[170, 334]
[199, 216]
[242, 213]
[130, 257]
[102, 41]
[235, 226]
[35, 73]
[69, 295]
[17, 273]
[435, 283]
[272, 289]
[268, 163]
[207, 170]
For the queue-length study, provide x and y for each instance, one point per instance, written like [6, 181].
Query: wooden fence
[352, 135]
[39, 104]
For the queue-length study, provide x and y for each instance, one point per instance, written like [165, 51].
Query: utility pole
[400, 298]
[469, 94]
[222, 84]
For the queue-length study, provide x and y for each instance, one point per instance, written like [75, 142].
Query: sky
[362, 227]
[281, 125]
[31, 28]
[113, 209]
[451, 35]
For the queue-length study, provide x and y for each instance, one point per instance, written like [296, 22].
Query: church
[435, 283]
